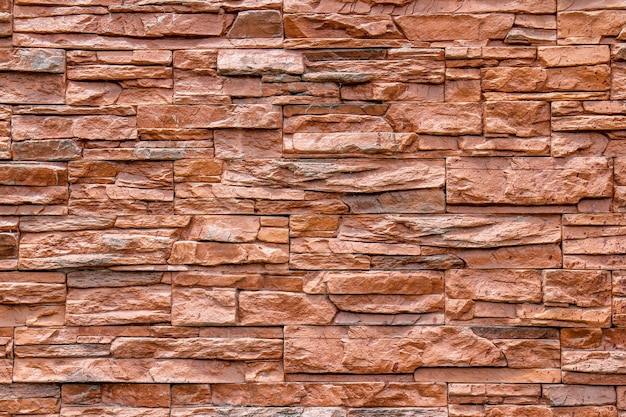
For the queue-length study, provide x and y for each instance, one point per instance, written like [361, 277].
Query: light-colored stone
[257, 62]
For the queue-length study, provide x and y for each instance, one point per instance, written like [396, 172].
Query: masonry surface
[313, 208]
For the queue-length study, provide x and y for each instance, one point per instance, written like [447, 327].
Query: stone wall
[316, 208]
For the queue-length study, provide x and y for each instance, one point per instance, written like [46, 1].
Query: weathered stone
[410, 201]
[539, 315]
[528, 354]
[256, 116]
[364, 350]
[257, 62]
[458, 231]
[490, 375]
[618, 86]
[388, 304]
[358, 394]
[590, 26]
[351, 176]
[197, 348]
[416, 283]
[573, 395]
[242, 143]
[582, 288]
[494, 285]
[32, 60]
[537, 79]
[611, 362]
[403, 69]
[407, 7]
[352, 143]
[519, 118]
[106, 127]
[530, 36]
[31, 293]
[49, 150]
[456, 26]
[267, 308]
[340, 26]
[257, 24]
[29, 398]
[527, 181]
[53, 250]
[569, 56]
[32, 88]
[144, 304]
[259, 411]
[130, 24]
[203, 306]
[517, 410]
[435, 118]
[126, 370]
[213, 253]
[223, 228]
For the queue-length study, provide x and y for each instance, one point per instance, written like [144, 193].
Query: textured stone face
[313, 208]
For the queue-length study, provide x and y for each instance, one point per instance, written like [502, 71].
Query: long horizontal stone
[95, 248]
[258, 62]
[217, 253]
[374, 282]
[350, 176]
[141, 25]
[352, 143]
[436, 118]
[527, 181]
[127, 370]
[426, 8]
[103, 127]
[354, 394]
[609, 362]
[236, 349]
[455, 26]
[457, 231]
[408, 70]
[106, 306]
[363, 349]
[494, 285]
[33, 174]
[254, 116]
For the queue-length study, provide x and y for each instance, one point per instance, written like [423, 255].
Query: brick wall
[314, 208]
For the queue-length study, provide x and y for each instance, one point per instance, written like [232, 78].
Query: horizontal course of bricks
[313, 208]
